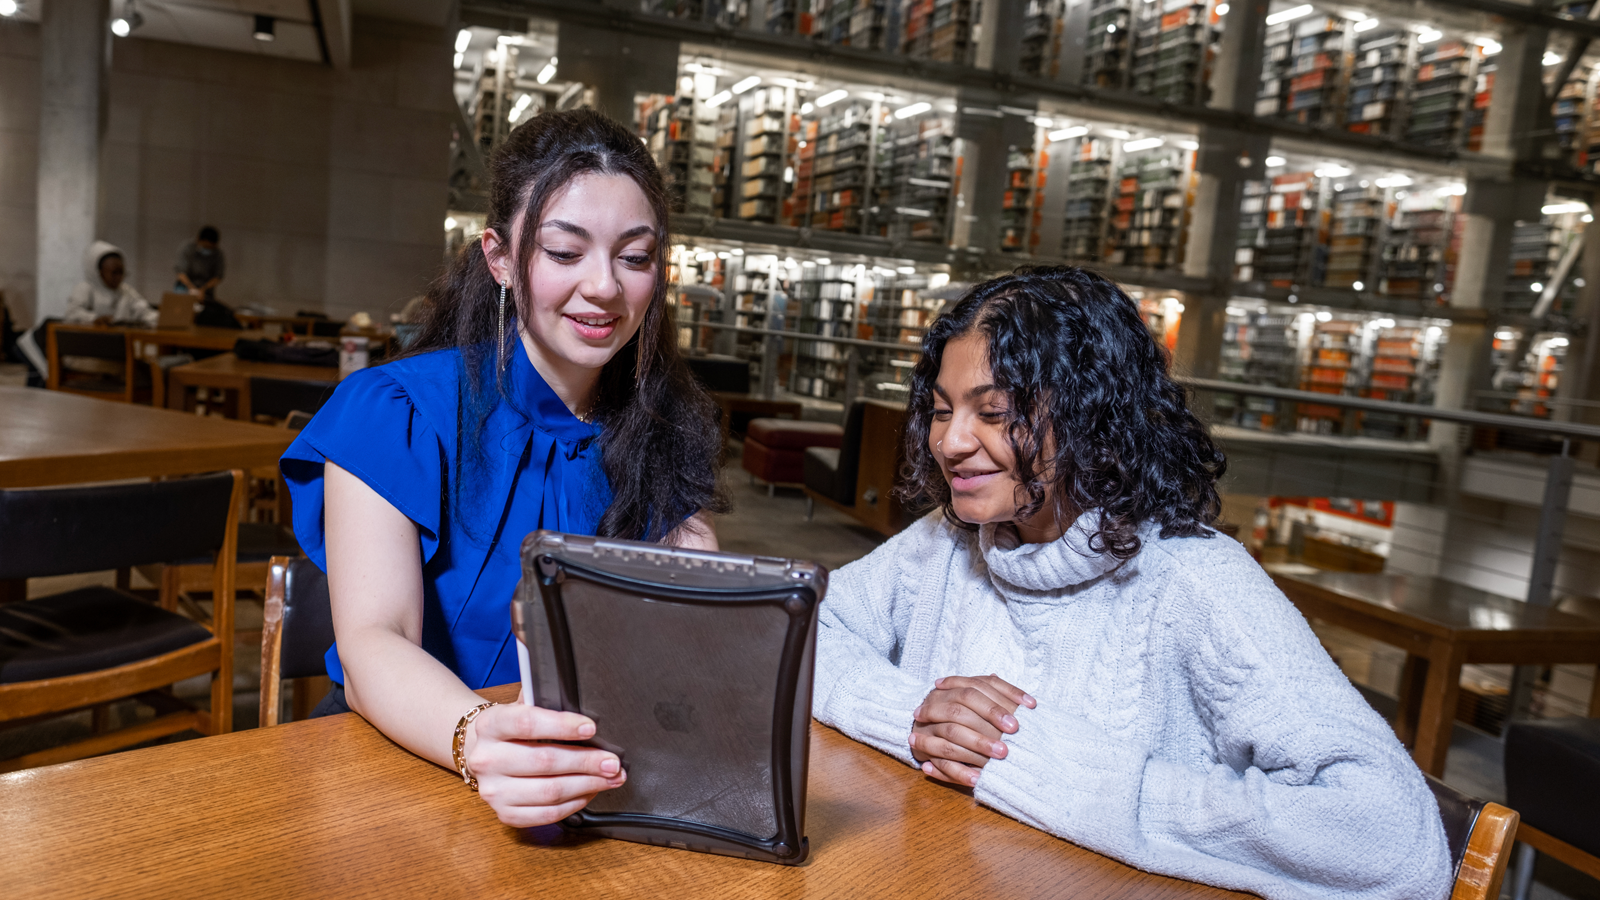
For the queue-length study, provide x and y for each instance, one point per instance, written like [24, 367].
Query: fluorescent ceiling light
[1331, 172]
[806, 109]
[915, 109]
[1490, 46]
[449, 223]
[719, 98]
[265, 29]
[1289, 15]
[1395, 180]
[832, 97]
[8, 7]
[1429, 35]
[1117, 133]
[1143, 144]
[1556, 209]
[463, 38]
[1452, 190]
[1067, 134]
[548, 72]
[1222, 9]
[1366, 25]
[1189, 145]
[1552, 58]
[824, 261]
[1274, 161]
[747, 84]
[906, 270]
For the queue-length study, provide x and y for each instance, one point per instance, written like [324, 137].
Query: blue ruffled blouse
[400, 428]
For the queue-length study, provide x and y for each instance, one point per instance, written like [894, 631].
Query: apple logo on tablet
[675, 716]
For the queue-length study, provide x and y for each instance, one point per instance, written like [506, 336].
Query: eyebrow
[973, 394]
[581, 232]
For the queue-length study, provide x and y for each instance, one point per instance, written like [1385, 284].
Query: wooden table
[195, 337]
[331, 808]
[1441, 626]
[229, 372]
[48, 437]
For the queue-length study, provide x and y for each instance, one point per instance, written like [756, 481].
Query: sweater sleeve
[860, 687]
[80, 305]
[1307, 793]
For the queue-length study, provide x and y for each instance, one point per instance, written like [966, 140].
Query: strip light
[915, 109]
[719, 98]
[1143, 144]
[831, 98]
[1067, 134]
[1556, 209]
[1289, 15]
[548, 72]
[747, 84]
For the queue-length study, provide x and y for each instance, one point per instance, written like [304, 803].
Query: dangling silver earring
[500, 333]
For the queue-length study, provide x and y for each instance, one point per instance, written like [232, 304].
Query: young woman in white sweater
[1068, 637]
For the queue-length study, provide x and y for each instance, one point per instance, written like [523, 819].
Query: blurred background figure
[104, 296]
[201, 267]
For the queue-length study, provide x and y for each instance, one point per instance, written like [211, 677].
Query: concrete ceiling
[229, 25]
[435, 13]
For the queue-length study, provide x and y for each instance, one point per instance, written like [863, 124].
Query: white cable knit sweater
[1189, 723]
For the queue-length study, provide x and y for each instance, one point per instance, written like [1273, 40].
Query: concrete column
[1581, 380]
[1225, 161]
[74, 54]
[617, 65]
[985, 139]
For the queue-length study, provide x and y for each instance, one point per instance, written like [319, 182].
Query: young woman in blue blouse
[544, 391]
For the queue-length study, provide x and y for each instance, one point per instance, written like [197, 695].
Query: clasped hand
[525, 776]
[957, 729]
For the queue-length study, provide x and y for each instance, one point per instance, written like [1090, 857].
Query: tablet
[696, 668]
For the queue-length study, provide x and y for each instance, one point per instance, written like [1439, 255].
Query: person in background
[201, 267]
[1066, 636]
[104, 296]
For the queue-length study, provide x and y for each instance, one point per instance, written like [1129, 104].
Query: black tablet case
[696, 668]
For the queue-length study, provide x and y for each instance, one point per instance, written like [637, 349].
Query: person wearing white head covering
[104, 296]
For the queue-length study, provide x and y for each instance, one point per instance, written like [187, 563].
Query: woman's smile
[593, 328]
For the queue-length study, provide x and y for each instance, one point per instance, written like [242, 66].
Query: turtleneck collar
[1042, 568]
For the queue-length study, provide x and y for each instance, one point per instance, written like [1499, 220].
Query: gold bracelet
[458, 744]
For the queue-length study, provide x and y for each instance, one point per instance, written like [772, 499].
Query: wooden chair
[1480, 835]
[84, 649]
[296, 631]
[114, 346]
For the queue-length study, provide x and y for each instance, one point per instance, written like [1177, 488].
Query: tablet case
[696, 668]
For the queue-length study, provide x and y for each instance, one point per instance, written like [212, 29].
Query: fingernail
[916, 713]
[1028, 699]
[586, 730]
[938, 682]
[610, 767]
[913, 740]
[927, 768]
[1009, 723]
[973, 779]
[998, 750]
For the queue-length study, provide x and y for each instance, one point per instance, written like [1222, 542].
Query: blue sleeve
[372, 429]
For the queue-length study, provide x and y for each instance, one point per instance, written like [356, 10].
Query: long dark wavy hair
[1083, 376]
[660, 442]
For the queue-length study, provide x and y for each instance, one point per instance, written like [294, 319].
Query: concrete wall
[19, 161]
[329, 187]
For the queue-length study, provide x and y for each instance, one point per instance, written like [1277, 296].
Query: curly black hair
[1085, 378]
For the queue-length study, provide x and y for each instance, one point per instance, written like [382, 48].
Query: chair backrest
[60, 531]
[727, 374]
[1480, 836]
[850, 446]
[111, 345]
[277, 397]
[297, 628]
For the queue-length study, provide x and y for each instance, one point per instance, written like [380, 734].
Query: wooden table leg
[1413, 682]
[1439, 698]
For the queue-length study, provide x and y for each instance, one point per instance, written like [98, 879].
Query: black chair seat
[820, 470]
[84, 631]
[1553, 778]
[258, 542]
